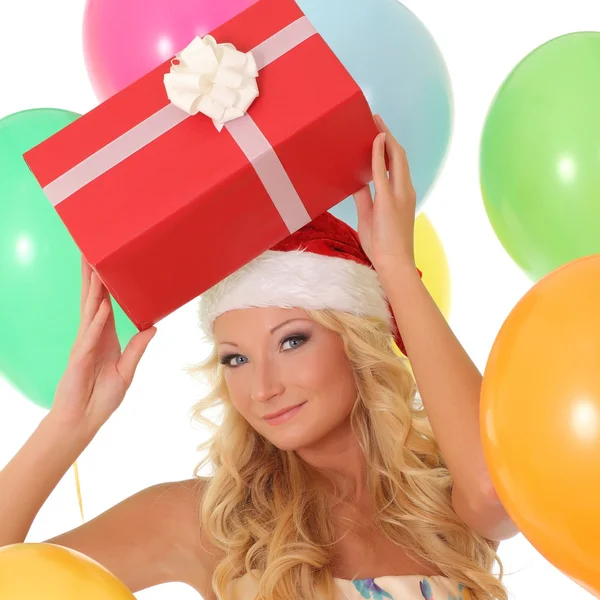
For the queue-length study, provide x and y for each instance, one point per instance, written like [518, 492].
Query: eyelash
[302, 337]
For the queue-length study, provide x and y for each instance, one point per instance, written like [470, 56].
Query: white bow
[214, 79]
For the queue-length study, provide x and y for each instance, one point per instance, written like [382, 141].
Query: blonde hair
[261, 510]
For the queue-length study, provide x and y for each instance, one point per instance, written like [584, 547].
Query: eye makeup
[299, 339]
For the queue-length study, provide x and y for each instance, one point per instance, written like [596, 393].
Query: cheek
[329, 377]
[238, 388]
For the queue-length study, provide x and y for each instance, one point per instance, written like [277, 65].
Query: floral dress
[398, 587]
[408, 587]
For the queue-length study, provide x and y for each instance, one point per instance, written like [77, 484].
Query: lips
[283, 415]
[282, 411]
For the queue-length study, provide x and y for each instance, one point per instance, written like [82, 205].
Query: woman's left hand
[386, 224]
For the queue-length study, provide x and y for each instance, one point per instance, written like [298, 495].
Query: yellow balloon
[431, 259]
[50, 572]
[433, 263]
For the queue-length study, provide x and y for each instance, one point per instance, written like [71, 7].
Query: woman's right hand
[98, 374]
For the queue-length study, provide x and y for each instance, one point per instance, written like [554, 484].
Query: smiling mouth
[283, 415]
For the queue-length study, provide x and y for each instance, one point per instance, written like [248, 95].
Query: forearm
[31, 476]
[448, 381]
[488, 519]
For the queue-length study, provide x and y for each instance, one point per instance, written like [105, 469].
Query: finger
[86, 272]
[133, 353]
[92, 302]
[111, 314]
[400, 179]
[92, 334]
[364, 208]
[380, 178]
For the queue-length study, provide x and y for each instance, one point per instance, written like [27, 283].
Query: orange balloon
[50, 572]
[540, 418]
[595, 593]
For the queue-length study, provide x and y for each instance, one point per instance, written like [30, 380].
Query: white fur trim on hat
[297, 279]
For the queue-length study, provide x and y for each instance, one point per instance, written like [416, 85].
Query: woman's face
[288, 376]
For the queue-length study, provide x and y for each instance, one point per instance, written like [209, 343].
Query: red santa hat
[321, 266]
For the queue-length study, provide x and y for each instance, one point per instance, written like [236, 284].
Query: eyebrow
[274, 329]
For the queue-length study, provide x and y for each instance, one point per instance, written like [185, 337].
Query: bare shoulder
[150, 538]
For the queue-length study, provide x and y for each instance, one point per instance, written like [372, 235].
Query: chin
[290, 442]
[289, 439]
[306, 429]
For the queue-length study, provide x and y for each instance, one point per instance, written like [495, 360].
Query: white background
[151, 439]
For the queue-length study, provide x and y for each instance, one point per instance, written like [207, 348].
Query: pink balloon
[125, 39]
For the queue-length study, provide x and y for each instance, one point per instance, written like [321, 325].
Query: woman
[331, 477]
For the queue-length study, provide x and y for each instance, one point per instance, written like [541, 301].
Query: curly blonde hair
[261, 510]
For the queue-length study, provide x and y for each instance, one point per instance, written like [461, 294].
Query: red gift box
[164, 206]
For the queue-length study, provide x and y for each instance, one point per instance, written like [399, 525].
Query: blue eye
[237, 360]
[226, 360]
[295, 341]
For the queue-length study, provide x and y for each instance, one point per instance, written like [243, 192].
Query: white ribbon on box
[243, 130]
[214, 79]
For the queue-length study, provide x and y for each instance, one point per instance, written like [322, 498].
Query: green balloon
[540, 156]
[40, 266]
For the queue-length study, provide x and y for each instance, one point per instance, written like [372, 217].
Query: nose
[266, 383]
